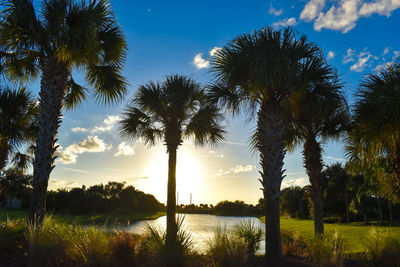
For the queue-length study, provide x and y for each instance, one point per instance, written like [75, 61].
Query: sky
[168, 37]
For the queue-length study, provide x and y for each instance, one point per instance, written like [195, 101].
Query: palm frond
[76, 94]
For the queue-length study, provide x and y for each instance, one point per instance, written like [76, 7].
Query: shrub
[153, 250]
[12, 238]
[250, 234]
[326, 250]
[382, 248]
[124, 249]
[293, 244]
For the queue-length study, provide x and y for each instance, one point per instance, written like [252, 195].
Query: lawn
[355, 234]
[87, 218]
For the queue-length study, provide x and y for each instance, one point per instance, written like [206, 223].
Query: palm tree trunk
[313, 165]
[171, 206]
[52, 90]
[346, 199]
[271, 131]
[4, 149]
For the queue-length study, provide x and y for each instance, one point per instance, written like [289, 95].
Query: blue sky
[166, 37]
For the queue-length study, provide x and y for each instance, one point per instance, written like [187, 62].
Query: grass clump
[326, 250]
[293, 244]
[154, 252]
[236, 246]
[124, 249]
[382, 248]
[12, 235]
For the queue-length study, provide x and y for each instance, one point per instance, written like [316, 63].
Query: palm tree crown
[171, 111]
[18, 123]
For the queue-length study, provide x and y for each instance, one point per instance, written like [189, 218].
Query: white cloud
[362, 61]
[274, 11]
[236, 169]
[55, 184]
[90, 144]
[387, 49]
[200, 62]
[381, 7]
[395, 58]
[108, 124]
[79, 130]
[344, 15]
[294, 182]
[241, 168]
[215, 154]
[124, 150]
[334, 159]
[215, 50]
[330, 55]
[312, 9]
[285, 22]
[349, 57]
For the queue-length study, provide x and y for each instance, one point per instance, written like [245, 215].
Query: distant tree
[14, 183]
[18, 125]
[64, 37]
[171, 111]
[292, 201]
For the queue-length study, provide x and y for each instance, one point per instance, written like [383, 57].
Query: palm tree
[375, 135]
[321, 114]
[66, 36]
[261, 73]
[18, 124]
[171, 111]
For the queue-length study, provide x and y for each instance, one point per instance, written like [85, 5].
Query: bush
[382, 248]
[12, 234]
[293, 244]
[250, 234]
[326, 250]
[153, 251]
[124, 249]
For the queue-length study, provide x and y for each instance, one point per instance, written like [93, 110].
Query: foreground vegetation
[57, 243]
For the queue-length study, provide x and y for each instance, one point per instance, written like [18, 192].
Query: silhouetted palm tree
[377, 120]
[171, 111]
[65, 36]
[321, 113]
[261, 72]
[18, 125]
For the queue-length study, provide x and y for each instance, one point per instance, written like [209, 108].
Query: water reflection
[200, 226]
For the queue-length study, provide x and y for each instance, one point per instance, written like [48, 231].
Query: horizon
[92, 152]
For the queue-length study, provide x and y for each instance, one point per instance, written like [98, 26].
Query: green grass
[86, 219]
[355, 234]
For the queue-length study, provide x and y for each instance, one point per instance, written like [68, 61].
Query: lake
[200, 226]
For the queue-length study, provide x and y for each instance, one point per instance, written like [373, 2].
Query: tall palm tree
[18, 123]
[320, 114]
[65, 36]
[261, 73]
[171, 111]
[375, 135]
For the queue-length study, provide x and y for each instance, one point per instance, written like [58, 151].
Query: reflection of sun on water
[189, 176]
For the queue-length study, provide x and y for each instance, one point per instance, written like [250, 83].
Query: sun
[189, 175]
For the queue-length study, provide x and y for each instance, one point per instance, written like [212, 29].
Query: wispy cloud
[274, 11]
[285, 23]
[237, 169]
[330, 55]
[90, 144]
[344, 15]
[361, 60]
[294, 182]
[334, 159]
[55, 184]
[77, 170]
[107, 125]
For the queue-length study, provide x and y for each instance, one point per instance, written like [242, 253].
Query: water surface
[200, 226]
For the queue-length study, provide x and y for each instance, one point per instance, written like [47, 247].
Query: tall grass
[382, 248]
[12, 234]
[154, 251]
[326, 250]
[236, 246]
[293, 244]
